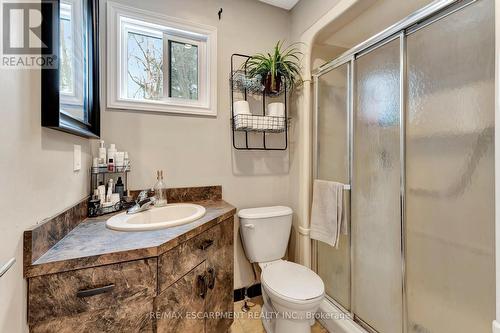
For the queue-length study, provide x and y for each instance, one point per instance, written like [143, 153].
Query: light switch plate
[77, 157]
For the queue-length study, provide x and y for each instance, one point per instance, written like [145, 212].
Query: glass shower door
[376, 203]
[333, 265]
[450, 173]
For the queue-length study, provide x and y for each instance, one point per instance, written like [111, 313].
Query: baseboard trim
[252, 291]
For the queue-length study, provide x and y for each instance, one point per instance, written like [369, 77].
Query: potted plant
[281, 63]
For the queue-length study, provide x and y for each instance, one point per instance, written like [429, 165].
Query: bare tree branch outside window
[145, 67]
[184, 70]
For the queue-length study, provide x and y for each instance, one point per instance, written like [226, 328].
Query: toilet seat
[292, 282]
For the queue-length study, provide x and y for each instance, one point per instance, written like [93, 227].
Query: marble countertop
[91, 244]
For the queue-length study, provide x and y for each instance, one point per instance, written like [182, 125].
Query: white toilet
[292, 293]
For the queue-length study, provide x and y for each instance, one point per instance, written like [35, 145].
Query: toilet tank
[265, 232]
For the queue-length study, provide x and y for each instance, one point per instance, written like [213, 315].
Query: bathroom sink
[157, 218]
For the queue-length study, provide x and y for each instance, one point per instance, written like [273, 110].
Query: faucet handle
[142, 196]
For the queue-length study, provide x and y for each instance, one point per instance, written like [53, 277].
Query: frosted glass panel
[333, 265]
[450, 174]
[376, 211]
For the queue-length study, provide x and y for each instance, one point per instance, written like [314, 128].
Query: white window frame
[120, 18]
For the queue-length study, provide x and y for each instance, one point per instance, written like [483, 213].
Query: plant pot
[272, 88]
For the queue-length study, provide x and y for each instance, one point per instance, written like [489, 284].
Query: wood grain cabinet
[186, 289]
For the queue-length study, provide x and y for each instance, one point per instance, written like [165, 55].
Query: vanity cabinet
[189, 288]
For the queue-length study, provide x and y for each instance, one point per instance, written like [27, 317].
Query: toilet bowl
[294, 293]
[291, 292]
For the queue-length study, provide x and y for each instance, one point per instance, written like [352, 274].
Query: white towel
[327, 215]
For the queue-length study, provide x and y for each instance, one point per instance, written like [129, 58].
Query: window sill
[153, 106]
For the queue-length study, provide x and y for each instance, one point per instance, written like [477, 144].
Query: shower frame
[427, 15]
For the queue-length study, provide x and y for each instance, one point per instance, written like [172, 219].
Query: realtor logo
[23, 45]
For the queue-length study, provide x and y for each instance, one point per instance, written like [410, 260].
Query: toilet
[291, 292]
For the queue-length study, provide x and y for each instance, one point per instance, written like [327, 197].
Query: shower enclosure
[407, 119]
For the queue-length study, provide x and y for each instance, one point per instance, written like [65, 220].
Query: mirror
[70, 90]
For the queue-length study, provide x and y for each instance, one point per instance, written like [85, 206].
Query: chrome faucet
[142, 203]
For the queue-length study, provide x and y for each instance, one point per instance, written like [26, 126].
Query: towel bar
[7, 266]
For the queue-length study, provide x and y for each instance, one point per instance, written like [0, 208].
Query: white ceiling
[285, 4]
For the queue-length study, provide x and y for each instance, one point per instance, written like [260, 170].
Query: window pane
[66, 50]
[73, 59]
[183, 70]
[145, 62]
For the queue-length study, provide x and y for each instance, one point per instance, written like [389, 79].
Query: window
[158, 63]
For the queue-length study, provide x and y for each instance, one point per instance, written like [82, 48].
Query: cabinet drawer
[70, 293]
[177, 262]
[136, 317]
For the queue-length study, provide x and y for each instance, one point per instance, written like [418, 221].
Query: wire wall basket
[258, 129]
[249, 122]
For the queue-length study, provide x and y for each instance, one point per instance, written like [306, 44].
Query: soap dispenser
[160, 190]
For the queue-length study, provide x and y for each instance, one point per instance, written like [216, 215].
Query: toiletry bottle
[119, 159]
[126, 161]
[110, 190]
[102, 193]
[120, 188]
[160, 190]
[112, 152]
[102, 154]
[111, 165]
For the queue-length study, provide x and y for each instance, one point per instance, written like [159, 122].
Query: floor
[249, 322]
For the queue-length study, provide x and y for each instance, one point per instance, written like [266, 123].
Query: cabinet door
[180, 308]
[220, 298]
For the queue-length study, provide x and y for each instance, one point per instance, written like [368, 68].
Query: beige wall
[36, 180]
[196, 151]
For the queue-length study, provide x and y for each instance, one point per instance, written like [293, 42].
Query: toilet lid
[293, 280]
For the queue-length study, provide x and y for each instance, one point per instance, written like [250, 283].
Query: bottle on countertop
[120, 188]
[102, 160]
[112, 152]
[119, 159]
[111, 165]
[160, 190]
[110, 190]
[101, 189]
[126, 161]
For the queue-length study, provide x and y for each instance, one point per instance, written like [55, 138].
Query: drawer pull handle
[95, 291]
[201, 286]
[206, 244]
[211, 278]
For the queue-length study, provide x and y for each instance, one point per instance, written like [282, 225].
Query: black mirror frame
[51, 115]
